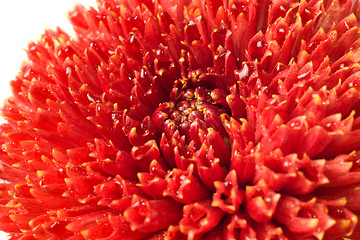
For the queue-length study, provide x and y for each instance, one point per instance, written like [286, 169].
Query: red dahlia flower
[179, 119]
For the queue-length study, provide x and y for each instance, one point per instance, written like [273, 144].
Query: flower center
[191, 111]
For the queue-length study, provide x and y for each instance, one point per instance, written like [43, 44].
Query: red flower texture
[178, 119]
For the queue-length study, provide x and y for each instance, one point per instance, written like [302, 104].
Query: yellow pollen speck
[313, 222]
[15, 165]
[12, 217]
[85, 233]
[133, 131]
[319, 235]
[67, 180]
[40, 173]
[102, 26]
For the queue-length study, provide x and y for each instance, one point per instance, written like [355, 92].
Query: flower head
[187, 120]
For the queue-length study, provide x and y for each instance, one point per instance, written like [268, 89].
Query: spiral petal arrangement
[180, 119]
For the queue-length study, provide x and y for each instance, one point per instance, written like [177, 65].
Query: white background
[21, 21]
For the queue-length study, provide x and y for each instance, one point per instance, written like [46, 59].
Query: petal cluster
[180, 119]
